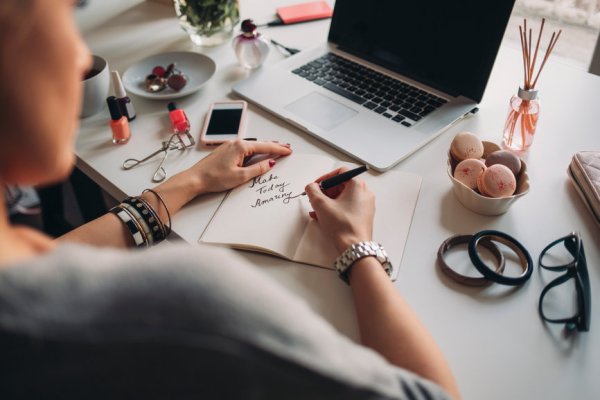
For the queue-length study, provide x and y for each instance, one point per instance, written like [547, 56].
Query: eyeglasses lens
[560, 302]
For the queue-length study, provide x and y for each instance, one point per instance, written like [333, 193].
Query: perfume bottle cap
[248, 28]
[113, 108]
[118, 85]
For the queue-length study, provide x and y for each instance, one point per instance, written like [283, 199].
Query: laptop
[391, 77]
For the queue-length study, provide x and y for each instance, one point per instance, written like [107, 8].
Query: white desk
[493, 338]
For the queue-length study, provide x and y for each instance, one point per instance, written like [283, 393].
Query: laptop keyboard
[391, 98]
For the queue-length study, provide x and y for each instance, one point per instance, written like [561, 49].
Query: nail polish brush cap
[118, 85]
[113, 108]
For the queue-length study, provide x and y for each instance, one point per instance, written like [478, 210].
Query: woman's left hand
[221, 170]
[224, 168]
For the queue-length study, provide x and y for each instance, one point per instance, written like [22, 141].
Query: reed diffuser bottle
[521, 123]
[524, 108]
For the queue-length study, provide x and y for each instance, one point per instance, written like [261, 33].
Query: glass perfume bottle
[521, 123]
[251, 49]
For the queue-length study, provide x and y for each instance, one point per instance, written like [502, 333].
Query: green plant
[209, 16]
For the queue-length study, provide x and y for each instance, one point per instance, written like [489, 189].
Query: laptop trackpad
[321, 111]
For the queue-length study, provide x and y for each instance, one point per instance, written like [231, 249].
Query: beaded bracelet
[147, 213]
[142, 220]
[154, 218]
[146, 230]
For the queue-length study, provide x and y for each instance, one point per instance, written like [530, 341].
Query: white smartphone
[225, 120]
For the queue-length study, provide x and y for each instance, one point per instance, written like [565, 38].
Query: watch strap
[359, 250]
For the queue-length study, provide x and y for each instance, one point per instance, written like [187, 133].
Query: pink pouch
[584, 172]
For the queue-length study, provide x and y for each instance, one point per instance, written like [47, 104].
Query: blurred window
[578, 19]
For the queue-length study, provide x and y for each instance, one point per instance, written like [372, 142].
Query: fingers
[317, 198]
[259, 168]
[314, 193]
[268, 148]
[353, 188]
[334, 192]
[333, 173]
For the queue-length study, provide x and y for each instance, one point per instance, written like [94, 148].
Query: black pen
[338, 179]
[343, 177]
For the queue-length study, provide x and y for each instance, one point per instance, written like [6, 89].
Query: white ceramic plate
[197, 67]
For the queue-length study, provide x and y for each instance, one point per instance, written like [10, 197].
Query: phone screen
[224, 122]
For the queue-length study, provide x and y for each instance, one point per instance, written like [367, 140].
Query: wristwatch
[357, 251]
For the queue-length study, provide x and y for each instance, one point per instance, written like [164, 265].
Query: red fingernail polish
[272, 162]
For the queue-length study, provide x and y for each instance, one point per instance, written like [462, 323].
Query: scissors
[175, 142]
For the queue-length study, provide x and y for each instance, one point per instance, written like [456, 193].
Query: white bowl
[482, 204]
[197, 67]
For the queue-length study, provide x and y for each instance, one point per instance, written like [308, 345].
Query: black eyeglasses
[573, 262]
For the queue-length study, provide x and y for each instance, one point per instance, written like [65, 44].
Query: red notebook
[304, 12]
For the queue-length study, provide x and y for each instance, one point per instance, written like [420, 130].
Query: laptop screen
[448, 45]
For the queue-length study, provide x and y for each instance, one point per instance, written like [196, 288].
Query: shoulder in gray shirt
[175, 322]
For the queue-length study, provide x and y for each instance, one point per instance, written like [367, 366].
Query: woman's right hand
[345, 212]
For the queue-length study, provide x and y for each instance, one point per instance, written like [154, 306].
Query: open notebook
[264, 215]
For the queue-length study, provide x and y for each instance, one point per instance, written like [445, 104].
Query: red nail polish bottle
[118, 122]
[179, 121]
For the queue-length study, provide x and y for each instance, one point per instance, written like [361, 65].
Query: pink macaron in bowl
[473, 200]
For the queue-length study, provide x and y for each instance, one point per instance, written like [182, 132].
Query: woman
[181, 321]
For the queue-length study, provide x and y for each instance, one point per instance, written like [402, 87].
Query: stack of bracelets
[142, 220]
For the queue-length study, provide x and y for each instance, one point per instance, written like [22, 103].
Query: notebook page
[263, 214]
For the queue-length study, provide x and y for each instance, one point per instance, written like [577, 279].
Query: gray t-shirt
[81, 310]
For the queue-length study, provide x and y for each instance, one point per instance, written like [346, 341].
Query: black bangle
[464, 279]
[509, 241]
[129, 220]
